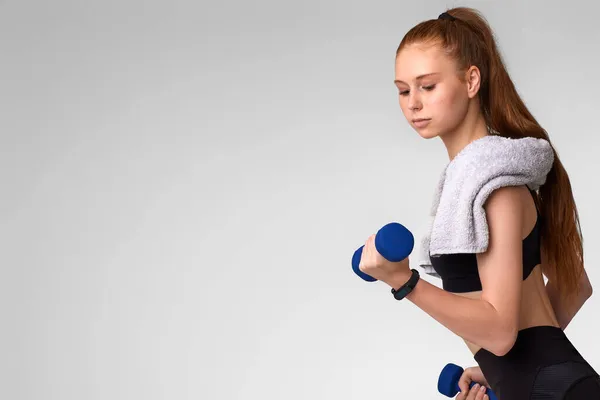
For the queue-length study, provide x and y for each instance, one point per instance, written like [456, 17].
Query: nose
[414, 102]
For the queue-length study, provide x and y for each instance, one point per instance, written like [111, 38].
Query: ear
[473, 80]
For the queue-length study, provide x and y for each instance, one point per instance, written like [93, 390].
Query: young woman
[452, 84]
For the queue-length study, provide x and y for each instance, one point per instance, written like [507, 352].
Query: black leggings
[587, 388]
[542, 365]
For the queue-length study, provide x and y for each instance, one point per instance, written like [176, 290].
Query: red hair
[469, 40]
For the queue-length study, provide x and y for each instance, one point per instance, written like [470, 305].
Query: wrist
[399, 279]
[405, 286]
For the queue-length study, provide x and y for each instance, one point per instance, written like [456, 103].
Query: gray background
[184, 184]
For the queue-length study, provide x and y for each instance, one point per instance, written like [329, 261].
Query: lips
[421, 122]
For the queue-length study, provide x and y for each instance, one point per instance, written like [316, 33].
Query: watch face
[407, 287]
[401, 293]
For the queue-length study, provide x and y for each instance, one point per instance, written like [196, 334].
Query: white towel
[457, 222]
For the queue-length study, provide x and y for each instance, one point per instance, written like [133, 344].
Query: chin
[426, 133]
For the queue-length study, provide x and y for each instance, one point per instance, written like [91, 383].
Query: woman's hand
[472, 374]
[372, 263]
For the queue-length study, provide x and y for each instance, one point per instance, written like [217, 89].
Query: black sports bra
[459, 271]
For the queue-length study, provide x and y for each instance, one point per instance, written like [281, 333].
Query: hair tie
[447, 16]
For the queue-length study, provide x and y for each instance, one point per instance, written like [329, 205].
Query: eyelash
[428, 88]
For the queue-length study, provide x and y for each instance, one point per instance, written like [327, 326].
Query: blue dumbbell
[448, 381]
[394, 242]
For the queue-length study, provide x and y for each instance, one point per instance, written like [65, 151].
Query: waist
[535, 348]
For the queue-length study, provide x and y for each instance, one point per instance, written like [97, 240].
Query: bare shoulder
[508, 199]
[512, 208]
[514, 203]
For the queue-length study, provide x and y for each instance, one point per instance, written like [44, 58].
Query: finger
[462, 395]
[365, 257]
[369, 246]
[370, 241]
[477, 392]
[473, 392]
[463, 383]
[464, 391]
[481, 393]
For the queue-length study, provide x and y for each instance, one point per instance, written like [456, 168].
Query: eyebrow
[418, 77]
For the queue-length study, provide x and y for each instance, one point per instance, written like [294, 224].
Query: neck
[472, 128]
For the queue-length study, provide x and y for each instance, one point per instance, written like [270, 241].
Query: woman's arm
[477, 321]
[492, 321]
[564, 312]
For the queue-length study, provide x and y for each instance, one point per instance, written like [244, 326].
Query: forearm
[474, 320]
[565, 312]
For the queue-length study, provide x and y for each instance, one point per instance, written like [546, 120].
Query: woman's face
[430, 89]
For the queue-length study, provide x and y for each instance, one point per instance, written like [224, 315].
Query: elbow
[504, 342]
[585, 292]
[585, 285]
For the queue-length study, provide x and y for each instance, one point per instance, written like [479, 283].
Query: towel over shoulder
[457, 221]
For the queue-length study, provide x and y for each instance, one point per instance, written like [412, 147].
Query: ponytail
[470, 41]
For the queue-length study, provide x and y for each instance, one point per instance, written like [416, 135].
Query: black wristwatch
[405, 289]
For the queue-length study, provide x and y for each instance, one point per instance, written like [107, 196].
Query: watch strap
[405, 289]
